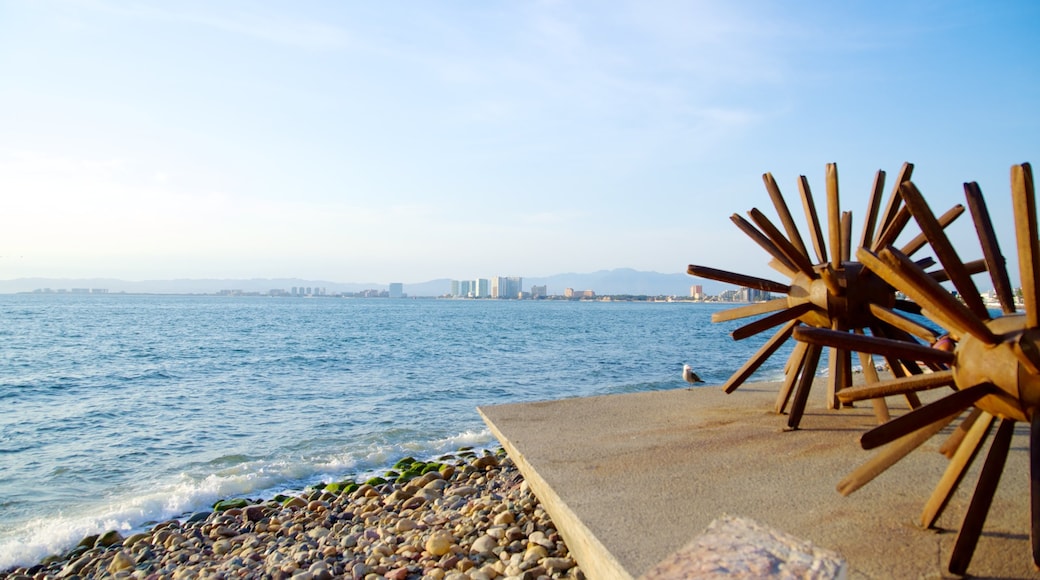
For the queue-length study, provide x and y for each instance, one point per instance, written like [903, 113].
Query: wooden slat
[1034, 488]
[950, 445]
[901, 322]
[920, 240]
[914, 420]
[760, 239]
[872, 344]
[1024, 202]
[839, 369]
[971, 527]
[784, 213]
[771, 321]
[898, 386]
[750, 310]
[873, 205]
[904, 275]
[782, 268]
[752, 364]
[794, 369]
[871, 377]
[943, 249]
[738, 279]
[805, 381]
[846, 236]
[834, 215]
[888, 236]
[815, 233]
[995, 262]
[894, 201]
[796, 257]
[955, 470]
[890, 455]
[973, 267]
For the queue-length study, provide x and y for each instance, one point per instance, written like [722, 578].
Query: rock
[295, 502]
[109, 538]
[505, 518]
[483, 545]
[120, 561]
[485, 462]
[254, 513]
[553, 565]
[398, 574]
[221, 547]
[226, 504]
[405, 525]
[439, 543]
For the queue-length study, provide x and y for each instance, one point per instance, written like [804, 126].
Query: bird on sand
[689, 376]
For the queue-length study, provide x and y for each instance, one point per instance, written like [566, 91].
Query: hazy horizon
[331, 141]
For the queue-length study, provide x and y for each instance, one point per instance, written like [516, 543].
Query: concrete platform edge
[587, 550]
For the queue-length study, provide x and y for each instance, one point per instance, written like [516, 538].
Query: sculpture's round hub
[977, 363]
[857, 288]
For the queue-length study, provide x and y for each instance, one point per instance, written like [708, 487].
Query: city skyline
[354, 141]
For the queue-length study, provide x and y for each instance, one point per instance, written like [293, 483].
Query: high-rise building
[697, 292]
[396, 290]
[538, 292]
[481, 288]
[506, 286]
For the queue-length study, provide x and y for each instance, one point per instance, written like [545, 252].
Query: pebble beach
[466, 516]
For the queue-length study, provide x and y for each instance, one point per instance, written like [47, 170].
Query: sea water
[121, 410]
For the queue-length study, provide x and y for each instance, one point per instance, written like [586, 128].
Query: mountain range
[619, 281]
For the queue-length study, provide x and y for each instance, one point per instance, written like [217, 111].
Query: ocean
[124, 410]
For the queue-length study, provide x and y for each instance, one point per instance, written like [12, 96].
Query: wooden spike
[796, 257]
[958, 466]
[784, 213]
[830, 279]
[888, 456]
[783, 269]
[872, 210]
[866, 361]
[839, 369]
[995, 262]
[1024, 202]
[945, 220]
[750, 310]
[805, 381]
[815, 233]
[894, 201]
[773, 320]
[752, 364]
[943, 249]
[888, 236]
[901, 322]
[950, 445]
[899, 386]
[834, 215]
[794, 368]
[873, 345]
[973, 267]
[760, 239]
[738, 279]
[1034, 487]
[971, 527]
[846, 236]
[896, 269]
[914, 420]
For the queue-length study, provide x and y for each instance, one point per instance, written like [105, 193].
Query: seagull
[689, 376]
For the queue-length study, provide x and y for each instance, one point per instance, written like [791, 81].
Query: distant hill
[617, 281]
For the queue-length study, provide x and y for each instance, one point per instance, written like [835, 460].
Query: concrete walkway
[631, 479]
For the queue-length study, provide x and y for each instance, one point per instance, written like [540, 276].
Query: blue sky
[378, 142]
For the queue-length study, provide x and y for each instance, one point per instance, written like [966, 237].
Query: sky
[409, 141]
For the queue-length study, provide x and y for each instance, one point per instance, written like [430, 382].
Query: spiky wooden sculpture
[995, 365]
[832, 293]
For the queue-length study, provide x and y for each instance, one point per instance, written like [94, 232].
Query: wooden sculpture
[994, 367]
[833, 292]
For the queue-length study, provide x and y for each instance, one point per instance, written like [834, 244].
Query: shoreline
[469, 517]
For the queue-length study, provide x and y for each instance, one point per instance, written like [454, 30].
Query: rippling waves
[121, 410]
